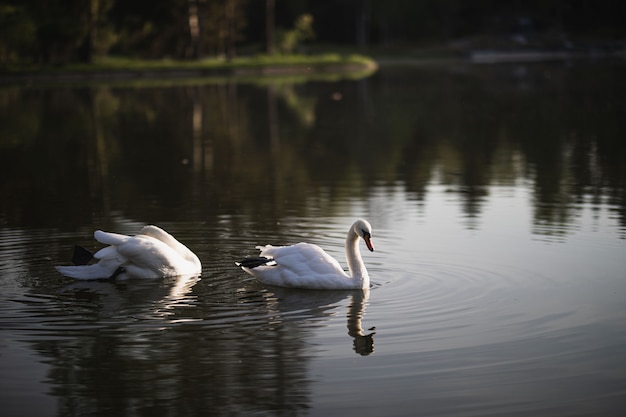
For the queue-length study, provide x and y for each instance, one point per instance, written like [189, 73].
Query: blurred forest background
[64, 31]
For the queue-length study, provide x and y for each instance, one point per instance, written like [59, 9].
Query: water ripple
[453, 304]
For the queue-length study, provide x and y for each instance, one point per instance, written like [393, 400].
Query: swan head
[363, 229]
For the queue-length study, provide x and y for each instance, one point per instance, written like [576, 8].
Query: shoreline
[138, 70]
[339, 66]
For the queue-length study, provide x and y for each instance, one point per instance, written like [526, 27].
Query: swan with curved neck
[152, 253]
[305, 265]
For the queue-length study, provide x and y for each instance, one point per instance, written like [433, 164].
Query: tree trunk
[269, 26]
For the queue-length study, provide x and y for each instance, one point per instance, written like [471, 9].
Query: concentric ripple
[454, 304]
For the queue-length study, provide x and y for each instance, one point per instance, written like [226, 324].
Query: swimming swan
[305, 265]
[153, 253]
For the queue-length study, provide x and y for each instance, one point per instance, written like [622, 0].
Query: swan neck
[355, 262]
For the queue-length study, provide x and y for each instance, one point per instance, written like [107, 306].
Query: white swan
[305, 265]
[153, 253]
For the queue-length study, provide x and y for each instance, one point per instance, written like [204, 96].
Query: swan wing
[147, 257]
[302, 265]
[110, 252]
[153, 253]
[101, 270]
[160, 234]
[109, 238]
[304, 258]
[109, 259]
[188, 262]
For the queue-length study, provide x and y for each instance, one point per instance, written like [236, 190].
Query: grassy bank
[116, 67]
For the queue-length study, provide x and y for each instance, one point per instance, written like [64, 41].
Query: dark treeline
[62, 31]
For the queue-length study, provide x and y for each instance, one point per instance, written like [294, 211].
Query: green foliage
[104, 39]
[289, 40]
[17, 33]
[102, 34]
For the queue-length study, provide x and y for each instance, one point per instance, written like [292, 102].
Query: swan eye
[366, 233]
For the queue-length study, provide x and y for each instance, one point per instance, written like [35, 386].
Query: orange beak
[368, 242]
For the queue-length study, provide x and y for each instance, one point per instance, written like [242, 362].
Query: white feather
[153, 253]
[306, 265]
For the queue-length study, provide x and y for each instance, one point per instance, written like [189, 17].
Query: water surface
[497, 197]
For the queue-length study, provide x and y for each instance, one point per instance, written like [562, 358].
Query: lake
[497, 196]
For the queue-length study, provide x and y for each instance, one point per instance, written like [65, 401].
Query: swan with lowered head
[153, 253]
[305, 265]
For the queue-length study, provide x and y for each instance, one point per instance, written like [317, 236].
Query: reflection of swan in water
[363, 343]
[319, 302]
[152, 253]
[181, 287]
[305, 265]
[136, 298]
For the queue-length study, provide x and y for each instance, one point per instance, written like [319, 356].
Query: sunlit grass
[257, 69]
[322, 62]
[257, 61]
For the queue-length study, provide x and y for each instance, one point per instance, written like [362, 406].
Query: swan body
[305, 265]
[153, 253]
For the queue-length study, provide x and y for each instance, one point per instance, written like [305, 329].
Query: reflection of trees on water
[543, 126]
[135, 360]
[240, 148]
[170, 347]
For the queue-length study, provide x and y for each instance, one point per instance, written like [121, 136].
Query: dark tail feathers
[81, 256]
[254, 262]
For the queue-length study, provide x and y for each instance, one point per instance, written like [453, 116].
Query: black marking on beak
[367, 237]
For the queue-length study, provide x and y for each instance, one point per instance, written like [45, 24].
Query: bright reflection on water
[497, 197]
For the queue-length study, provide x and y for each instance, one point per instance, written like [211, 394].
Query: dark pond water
[497, 195]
